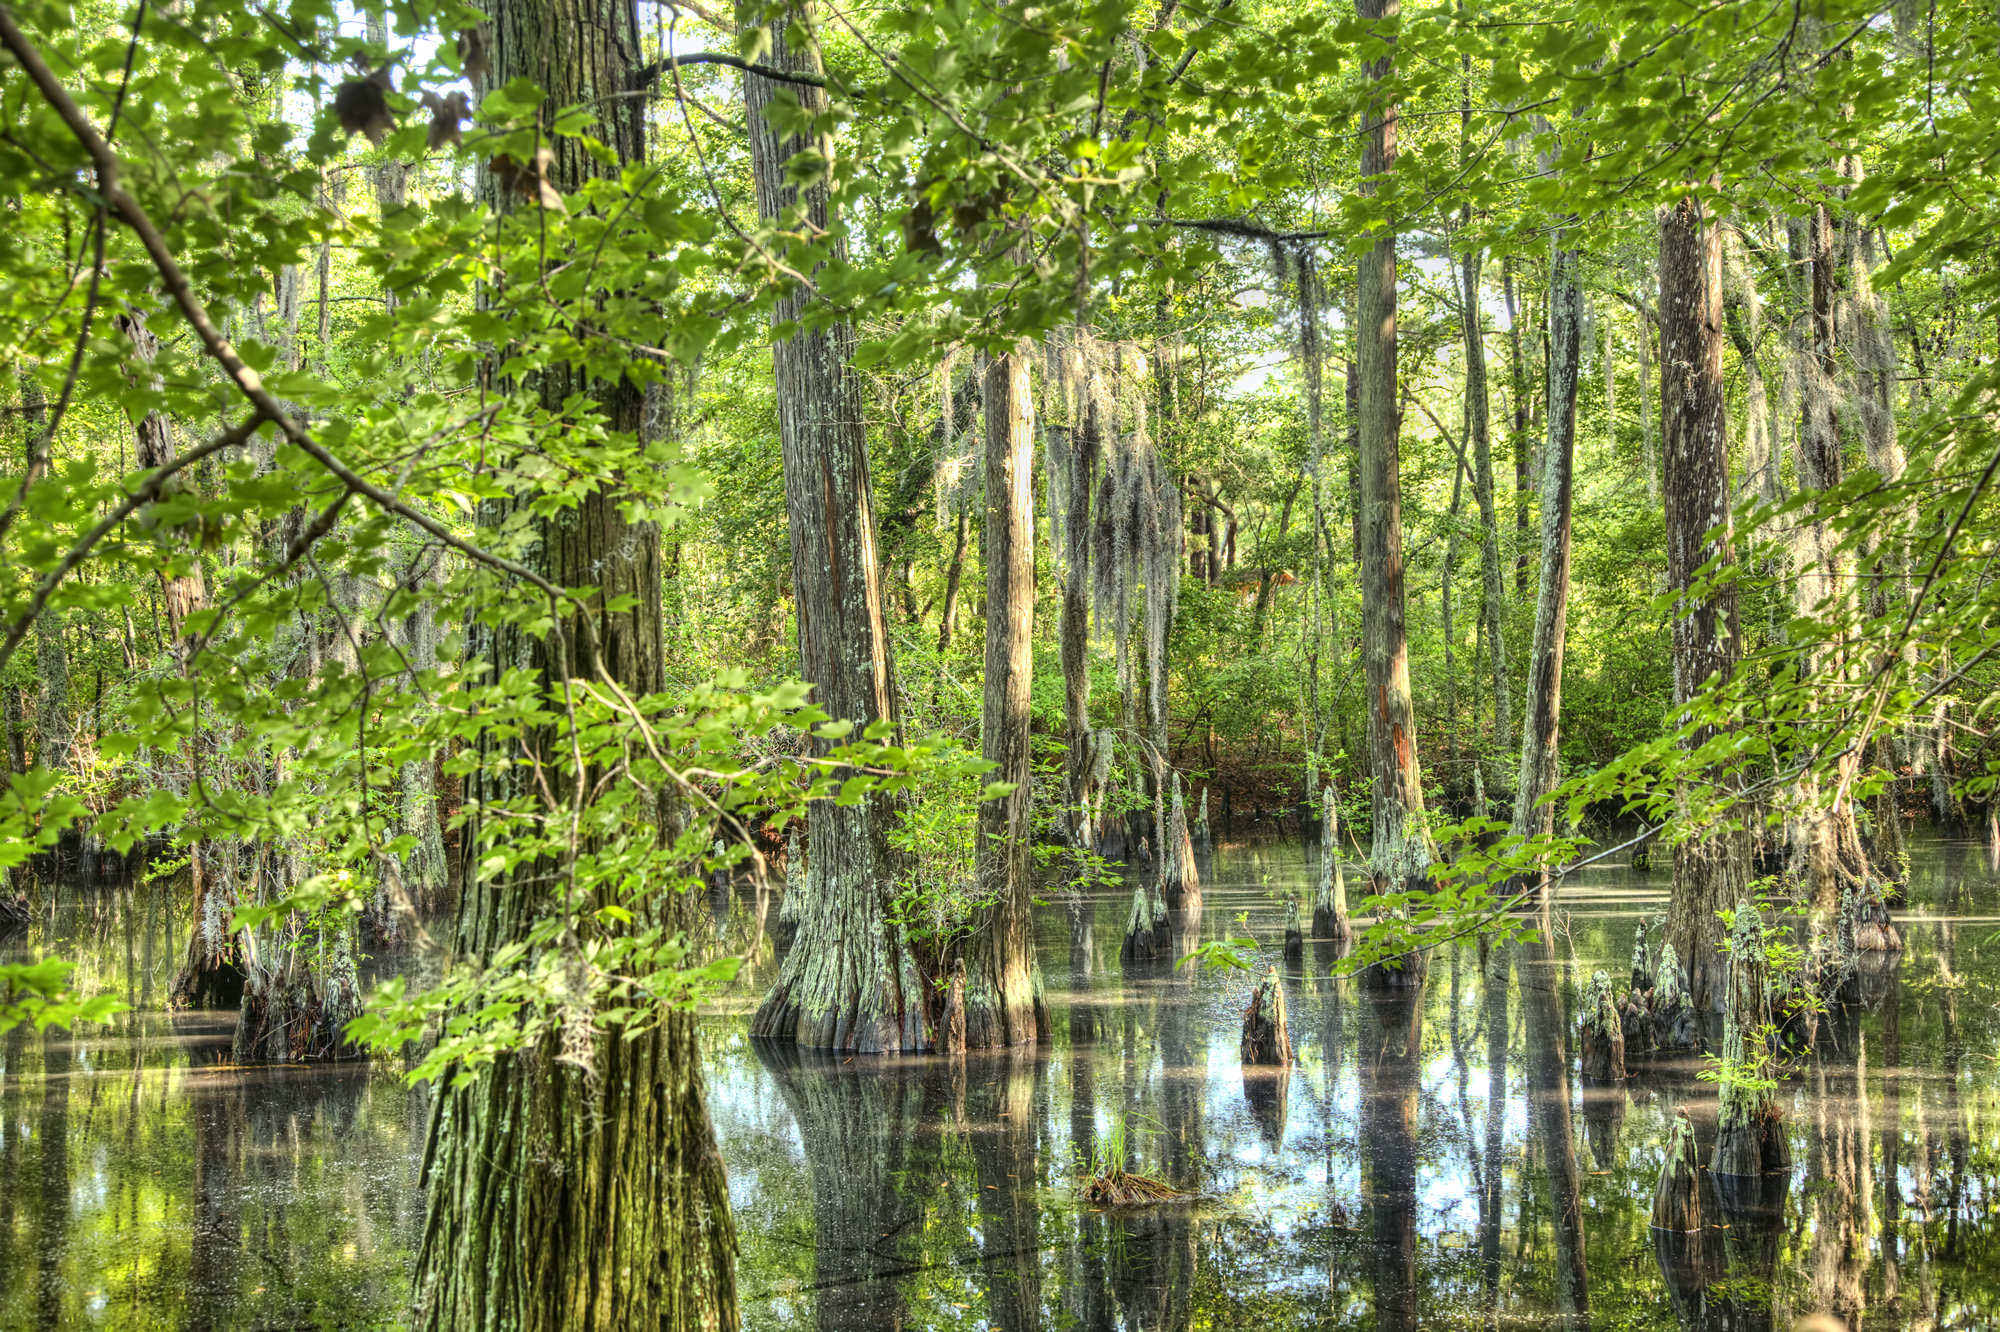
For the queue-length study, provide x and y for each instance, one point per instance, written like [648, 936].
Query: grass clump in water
[1109, 1184]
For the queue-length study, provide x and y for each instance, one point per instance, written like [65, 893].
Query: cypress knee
[1267, 1038]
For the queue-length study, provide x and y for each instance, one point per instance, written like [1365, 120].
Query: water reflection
[148, 1182]
[1406, 1172]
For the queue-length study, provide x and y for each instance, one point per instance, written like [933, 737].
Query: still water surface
[1390, 1178]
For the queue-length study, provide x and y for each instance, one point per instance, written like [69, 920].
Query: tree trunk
[1478, 431]
[54, 738]
[954, 575]
[1540, 755]
[850, 982]
[561, 1198]
[1003, 1004]
[1080, 761]
[1710, 870]
[1827, 834]
[1548, 1059]
[1400, 855]
[1330, 896]
[1523, 418]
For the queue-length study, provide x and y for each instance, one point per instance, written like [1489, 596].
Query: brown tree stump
[1267, 1038]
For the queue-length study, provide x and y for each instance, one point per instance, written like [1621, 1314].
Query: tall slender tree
[850, 982]
[1003, 1004]
[1400, 854]
[1548, 1060]
[1710, 868]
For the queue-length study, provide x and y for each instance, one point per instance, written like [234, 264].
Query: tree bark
[1400, 855]
[1080, 763]
[1540, 755]
[1003, 1003]
[560, 1198]
[1827, 835]
[954, 575]
[1493, 586]
[1710, 870]
[1523, 418]
[1548, 1059]
[850, 983]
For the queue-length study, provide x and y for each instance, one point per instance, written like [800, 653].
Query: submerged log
[1601, 1032]
[1267, 1038]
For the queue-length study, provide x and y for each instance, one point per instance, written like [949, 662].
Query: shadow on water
[1399, 1175]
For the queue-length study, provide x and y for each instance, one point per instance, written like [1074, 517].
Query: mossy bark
[562, 1196]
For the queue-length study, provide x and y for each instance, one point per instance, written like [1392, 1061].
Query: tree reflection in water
[1400, 1177]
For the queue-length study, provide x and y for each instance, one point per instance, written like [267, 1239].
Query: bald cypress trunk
[850, 982]
[1523, 419]
[1827, 834]
[560, 1196]
[1003, 1003]
[1400, 855]
[1710, 870]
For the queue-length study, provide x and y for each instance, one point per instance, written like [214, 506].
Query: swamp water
[1390, 1179]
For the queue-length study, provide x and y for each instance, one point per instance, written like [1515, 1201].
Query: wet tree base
[1267, 1038]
